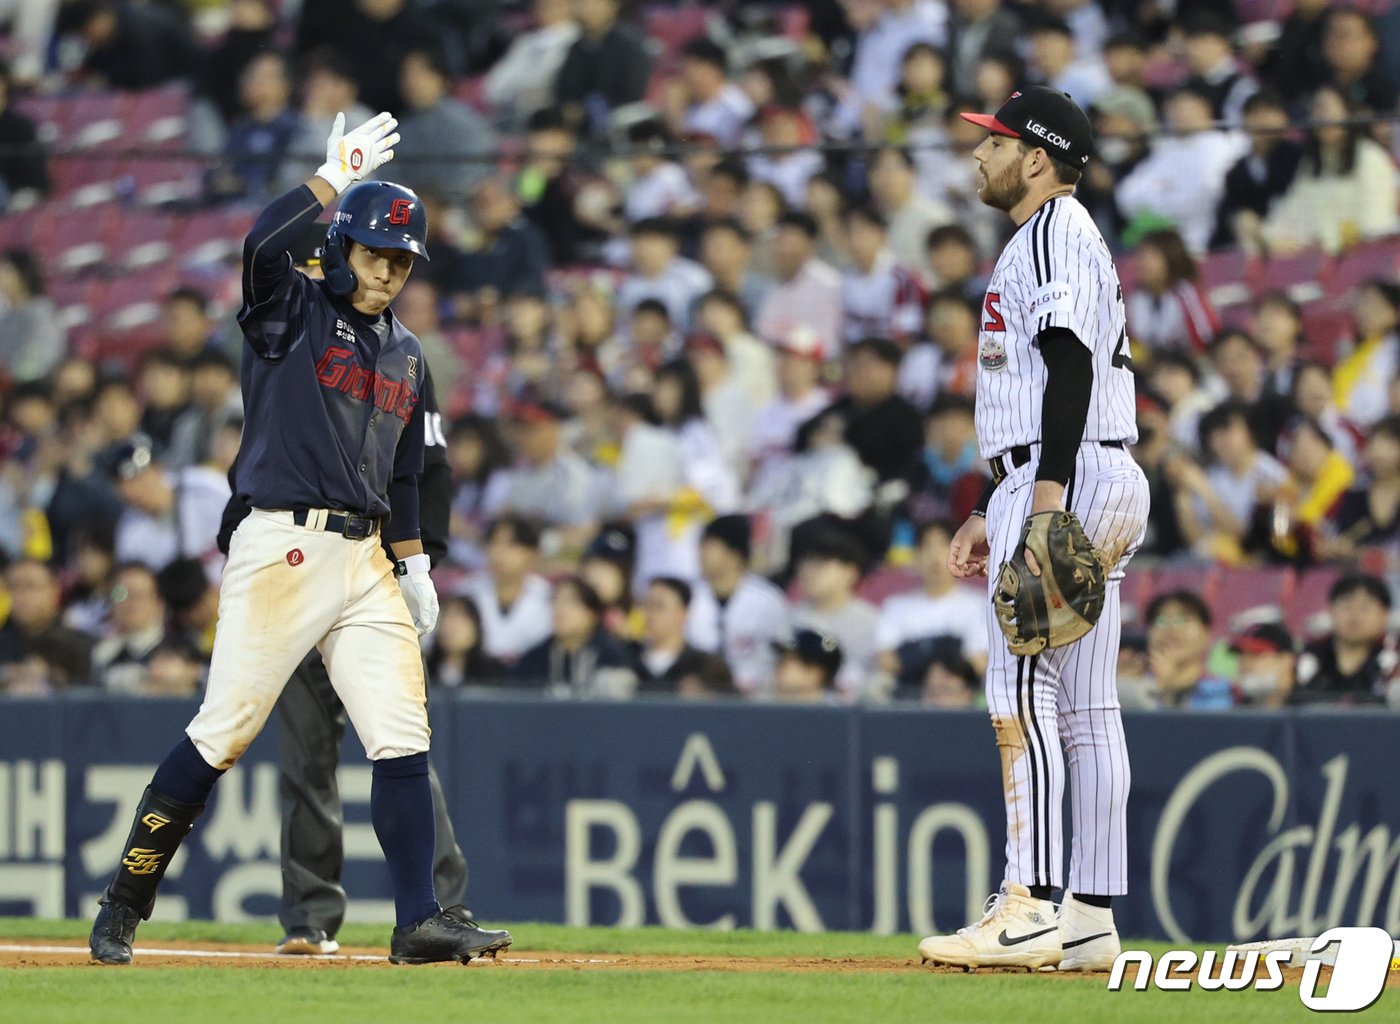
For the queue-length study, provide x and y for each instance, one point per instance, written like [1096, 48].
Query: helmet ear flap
[339, 277]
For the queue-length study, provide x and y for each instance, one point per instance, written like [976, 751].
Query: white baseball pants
[289, 588]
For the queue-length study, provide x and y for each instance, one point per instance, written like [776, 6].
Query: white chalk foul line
[228, 954]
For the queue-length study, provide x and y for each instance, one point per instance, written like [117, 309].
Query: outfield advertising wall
[1243, 826]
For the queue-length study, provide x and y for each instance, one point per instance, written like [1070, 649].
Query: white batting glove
[418, 592]
[358, 154]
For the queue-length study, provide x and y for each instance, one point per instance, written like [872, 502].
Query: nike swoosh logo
[1087, 938]
[1007, 940]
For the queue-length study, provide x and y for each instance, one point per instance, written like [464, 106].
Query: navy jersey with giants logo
[333, 398]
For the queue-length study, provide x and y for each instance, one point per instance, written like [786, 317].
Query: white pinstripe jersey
[1055, 272]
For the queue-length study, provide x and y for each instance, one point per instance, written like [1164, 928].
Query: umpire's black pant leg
[449, 866]
[311, 723]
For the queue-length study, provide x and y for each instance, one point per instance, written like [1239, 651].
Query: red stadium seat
[1309, 597]
[1300, 275]
[1197, 578]
[1137, 588]
[84, 180]
[74, 239]
[1379, 257]
[1244, 588]
[886, 581]
[140, 239]
[673, 27]
[96, 120]
[1326, 327]
[163, 180]
[160, 117]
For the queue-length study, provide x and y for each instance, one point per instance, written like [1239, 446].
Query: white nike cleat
[1017, 930]
[1088, 936]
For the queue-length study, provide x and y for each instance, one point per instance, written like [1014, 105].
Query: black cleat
[443, 937]
[461, 913]
[113, 932]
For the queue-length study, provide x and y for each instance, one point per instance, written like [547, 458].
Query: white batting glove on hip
[350, 157]
[418, 592]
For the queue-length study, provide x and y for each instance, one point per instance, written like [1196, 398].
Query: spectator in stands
[89, 595]
[1125, 57]
[830, 568]
[1351, 52]
[951, 682]
[921, 99]
[980, 28]
[328, 88]
[119, 662]
[192, 599]
[522, 81]
[1312, 396]
[131, 45]
[32, 340]
[607, 566]
[664, 662]
[251, 31]
[35, 631]
[1267, 667]
[1124, 121]
[1054, 61]
[1296, 66]
[941, 619]
[24, 172]
[826, 202]
[948, 479]
[551, 484]
[1239, 364]
[659, 186]
[1357, 662]
[1178, 641]
[660, 272]
[435, 124]
[175, 670]
[164, 383]
[1369, 514]
[373, 36]
[513, 600]
[800, 397]
[1155, 453]
[579, 658]
[807, 292]
[762, 206]
[809, 663]
[1261, 177]
[1183, 177]
[1344, 190]
[911, 216]
[726, 252]
[1321, 475]
[606, 67]
[680, 408]
[1214, 69]
[709, 103]
[734, 612]
[727, 405]
[650, 484]
[1217, 507]
[551, 184]
[458, 655]
[789, 164]
[886, 30]
[953, 325]
[653, 339]
[1278, 329]
[261, 137]
[1169, 307]
[511, 258]
[169, 514]
[1362, 378]
[881, 425]
[951, 259]
[215, 403]
[188, 329]
[879, 297]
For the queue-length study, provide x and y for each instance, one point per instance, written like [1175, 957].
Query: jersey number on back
[1122, 355]
[994, 317]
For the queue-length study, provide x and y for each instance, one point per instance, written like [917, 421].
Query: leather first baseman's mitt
[1064, 601]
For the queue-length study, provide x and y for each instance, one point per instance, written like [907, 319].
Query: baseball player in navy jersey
[312, 720]
[1055, 416]
[332, 448]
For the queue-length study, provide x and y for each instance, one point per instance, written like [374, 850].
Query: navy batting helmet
[377, 214]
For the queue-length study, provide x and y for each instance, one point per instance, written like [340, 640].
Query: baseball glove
[1064, 600]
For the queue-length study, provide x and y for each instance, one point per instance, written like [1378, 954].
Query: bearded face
[1001, 183]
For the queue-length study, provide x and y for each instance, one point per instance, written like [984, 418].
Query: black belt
[1021, 454]
[349, 526]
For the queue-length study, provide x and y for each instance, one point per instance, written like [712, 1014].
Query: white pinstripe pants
[1068, 697]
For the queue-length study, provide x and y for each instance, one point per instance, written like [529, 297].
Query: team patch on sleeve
[1055, 297]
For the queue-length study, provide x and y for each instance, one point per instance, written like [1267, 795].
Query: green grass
[491, 995]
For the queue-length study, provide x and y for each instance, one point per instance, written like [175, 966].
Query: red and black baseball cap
[1043, 117]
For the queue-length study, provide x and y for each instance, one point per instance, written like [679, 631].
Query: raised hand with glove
[418, 592]
[353, 156]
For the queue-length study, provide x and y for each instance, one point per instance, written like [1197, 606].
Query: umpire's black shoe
[113, 932]
[443, 937]
[461, 913]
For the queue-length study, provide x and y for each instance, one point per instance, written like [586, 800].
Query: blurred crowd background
[703, 312]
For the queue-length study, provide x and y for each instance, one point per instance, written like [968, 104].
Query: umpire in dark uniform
[313, 720]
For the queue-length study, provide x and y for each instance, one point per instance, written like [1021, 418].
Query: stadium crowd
[703, 311]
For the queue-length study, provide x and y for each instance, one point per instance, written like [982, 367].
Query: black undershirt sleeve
[1065, 409]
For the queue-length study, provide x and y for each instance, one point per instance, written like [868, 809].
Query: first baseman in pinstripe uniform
[1055, 414]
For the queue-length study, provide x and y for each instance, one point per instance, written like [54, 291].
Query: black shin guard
[161, 825]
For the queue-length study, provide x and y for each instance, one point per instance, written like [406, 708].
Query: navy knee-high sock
[401, 807]
[185, 776]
